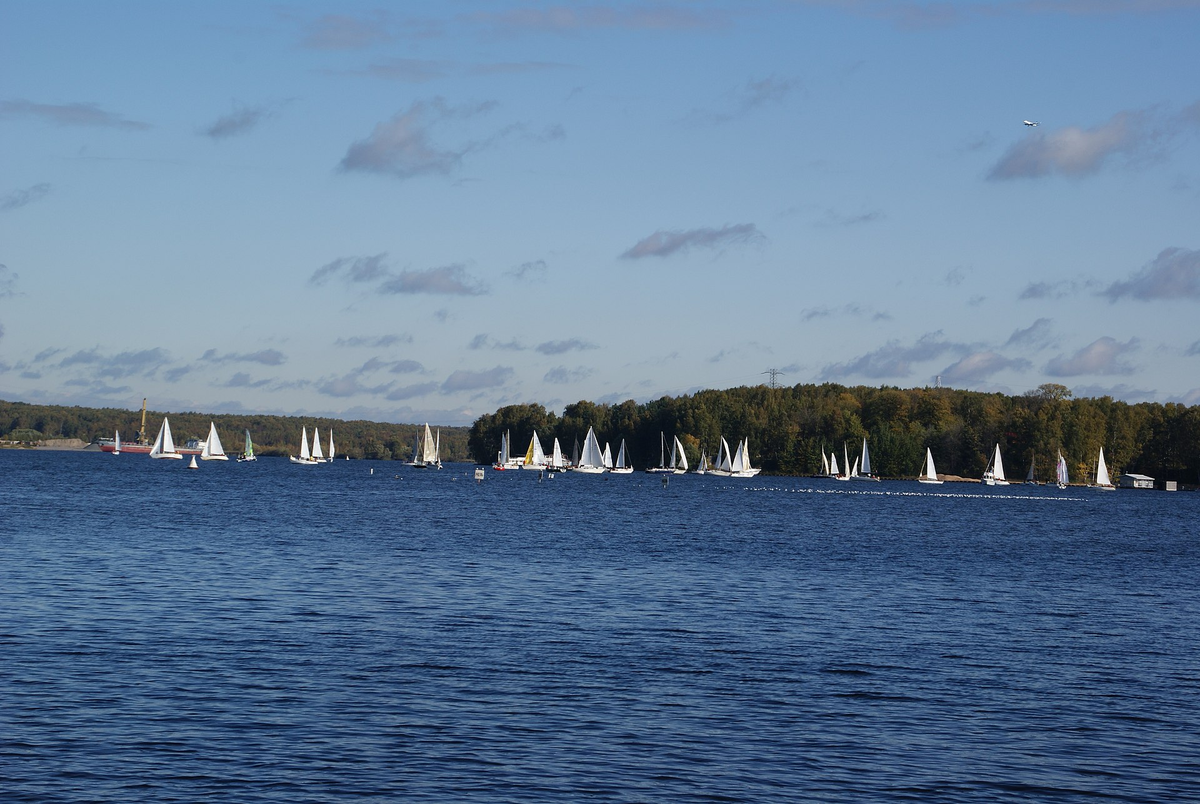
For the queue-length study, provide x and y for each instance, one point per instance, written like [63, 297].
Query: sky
[416, 212]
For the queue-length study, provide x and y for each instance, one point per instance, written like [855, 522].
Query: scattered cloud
[1193, 350]
[926, 15]
[1037, 335]
[349, 385]
[8, 282]
[852, 309]
[894, 359]
[1101, 356]
[243, 380]
[1060, 289]
[833, 218]
[463, 380]
[664, 243]
[352, 269]
[419, 71]
[449, 280]
[124, 364]
[561, 375]
[560, 347]
[19, 198]
[411, 391]
[748, 97]
[403, 146]
[979, 366]
[574, 19]
[241, 120]
[1173, 274]
[378, 342]
[533, 271]
[483, 341]
[1076, 152]
[267, 357]
[69, 114]
[344, 32]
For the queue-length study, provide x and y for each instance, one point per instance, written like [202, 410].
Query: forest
[272, 435]
[789, 428]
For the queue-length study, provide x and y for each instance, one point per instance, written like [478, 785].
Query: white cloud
[1173, 274]
[1101, 356]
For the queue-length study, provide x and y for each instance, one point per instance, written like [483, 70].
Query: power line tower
[774, 373]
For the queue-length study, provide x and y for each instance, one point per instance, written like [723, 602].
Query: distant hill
[789, 427]
[272, 435]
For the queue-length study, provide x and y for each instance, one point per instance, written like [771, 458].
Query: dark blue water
[274, 633]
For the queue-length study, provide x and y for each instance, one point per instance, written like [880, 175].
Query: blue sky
[412, 212]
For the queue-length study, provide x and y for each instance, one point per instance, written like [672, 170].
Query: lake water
[275, 633]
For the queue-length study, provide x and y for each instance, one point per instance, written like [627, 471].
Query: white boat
[427, 451]
[724, 461]
[305, 457]
[317, 455]
[331, 452]
[664, 467]
[608, 461]
[993, 475]
[501, 463]
[212, 449]
[535, 458]
[1103, 481]
[863, 471]
[164, 445]
[928, 472]
[1060, 471]
[740, 465]
[833, 465]
[622, 466]
[591, 459]
[247, 451]
[702, 468]
[834, 472]
[558, 463]
[679, 461]
[117, 443]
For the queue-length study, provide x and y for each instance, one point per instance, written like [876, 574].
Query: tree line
[272, 435]
[790, 427]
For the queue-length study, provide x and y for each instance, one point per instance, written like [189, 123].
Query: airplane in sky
[1031, 122]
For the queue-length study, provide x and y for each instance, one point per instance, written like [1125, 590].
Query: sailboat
[247, 451]
[212, 449]
[117, 443]
[591, 460]
[535, 458]
[1060, 471]
[928, 472]
[557, 462]
[740, 465]
[845, 473]
[331, 452]
[622, 466]
[575, 453]
[1029, 481]
[833, 468]
[993, 475]
[317, 455]
[164, 445]
[824, 463]
[608, 461]
[702, 468]
[426, 455]
[663, 468]
[679, 461]
[305, 457]
[863, 472]
[1103, 482]
[502, 456]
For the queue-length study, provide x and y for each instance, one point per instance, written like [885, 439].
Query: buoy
[193, 464]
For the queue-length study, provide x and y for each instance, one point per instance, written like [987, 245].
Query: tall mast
[141, 439]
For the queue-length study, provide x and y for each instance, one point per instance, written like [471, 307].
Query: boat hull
[141, 449]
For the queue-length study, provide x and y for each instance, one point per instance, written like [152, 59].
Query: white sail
[608, 461]
[1102, 479]
[317, 454]
[117, 443]
[824, 463]
[557, 461]
[679, 460]
[305, 457]
[854, 471]
[331, 452]
[622, 465]
[591, 460]
[212, 449]
[928, 471]
[428, 447]
[702, 468]
[866, 459]
[998, 468]
[1060, 471]
[740, 465]
[833, 466]
[164, 445]
[535, 457]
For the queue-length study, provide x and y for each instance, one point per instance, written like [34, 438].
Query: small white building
[1131, 481]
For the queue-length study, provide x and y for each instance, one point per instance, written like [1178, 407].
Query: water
[273, 633]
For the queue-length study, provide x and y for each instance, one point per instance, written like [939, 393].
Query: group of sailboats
[595, 459]
[857, 471]
[676, 464]
[210, 449]
[312, 457]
